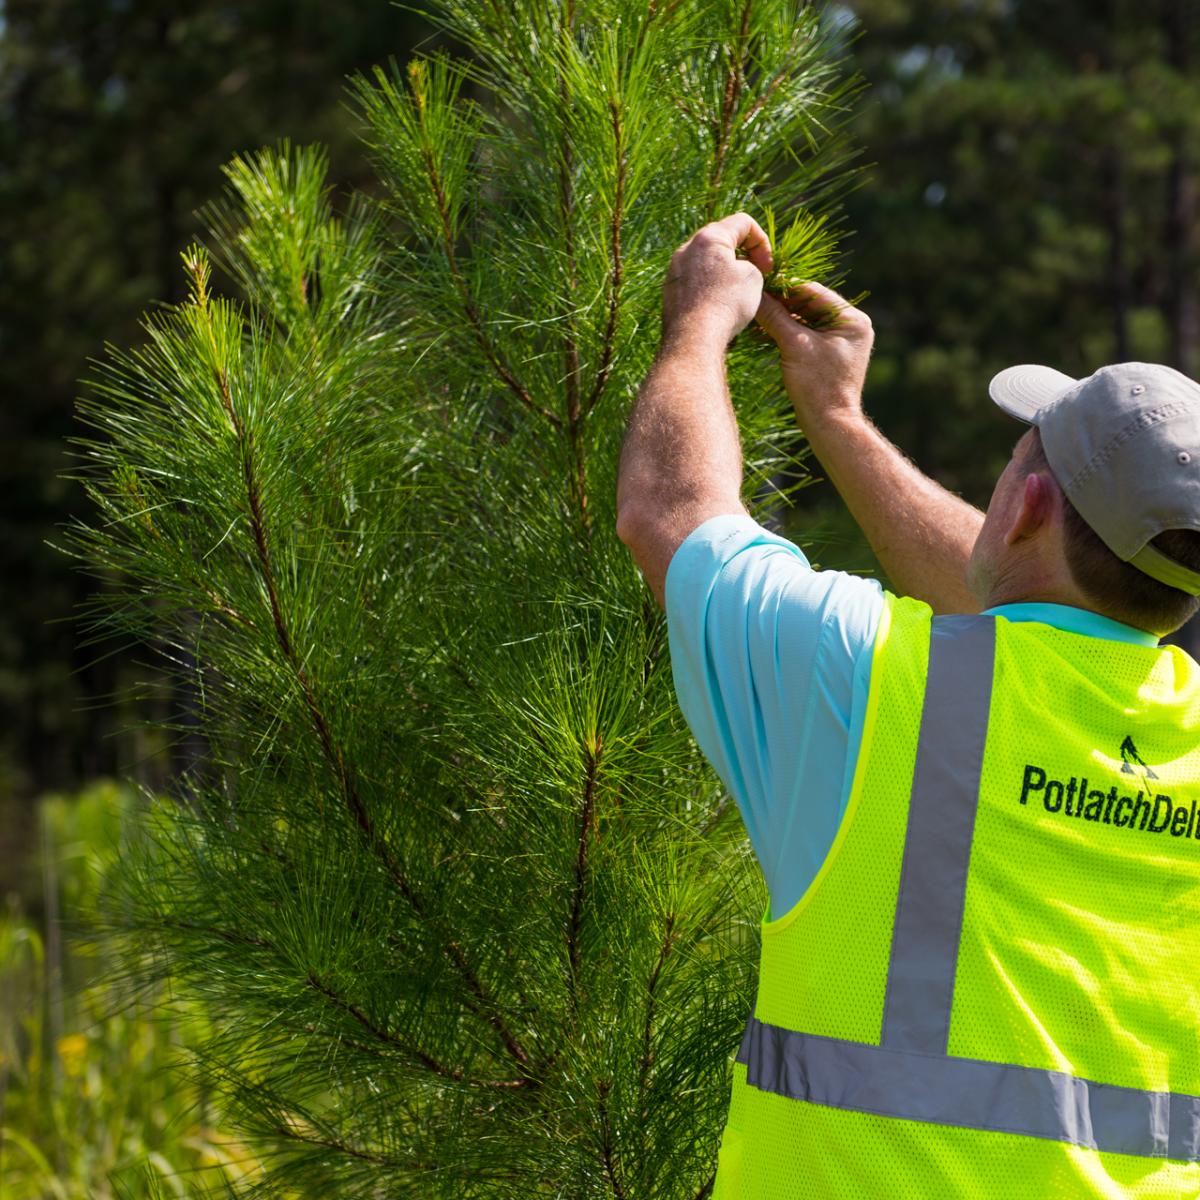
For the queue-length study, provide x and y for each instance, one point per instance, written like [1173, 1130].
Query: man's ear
[1035, 511]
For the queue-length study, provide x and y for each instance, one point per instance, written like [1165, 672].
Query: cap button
[1138, 389]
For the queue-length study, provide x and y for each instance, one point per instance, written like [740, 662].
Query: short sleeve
[771, 664]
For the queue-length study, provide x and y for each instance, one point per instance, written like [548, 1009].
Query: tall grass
[95, 1099]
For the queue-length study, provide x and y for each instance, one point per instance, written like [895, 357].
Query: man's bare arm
[681, 461]
[921, 533]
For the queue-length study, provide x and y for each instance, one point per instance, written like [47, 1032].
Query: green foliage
[805, 251]
[469, 915]
[1033, 199]
[94, 1104]
[115, 116]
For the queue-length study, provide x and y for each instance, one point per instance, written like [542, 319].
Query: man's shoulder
[740, 563]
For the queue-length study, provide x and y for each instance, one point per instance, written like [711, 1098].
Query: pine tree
[471, 914]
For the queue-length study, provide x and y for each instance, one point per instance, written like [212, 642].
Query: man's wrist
[695, 337]
[841, 412]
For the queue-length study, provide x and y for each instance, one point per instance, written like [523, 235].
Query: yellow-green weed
[95, 1103]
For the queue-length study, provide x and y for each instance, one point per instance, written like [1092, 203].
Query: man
[980, 832]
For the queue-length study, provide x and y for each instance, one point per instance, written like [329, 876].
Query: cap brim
[1023, 391]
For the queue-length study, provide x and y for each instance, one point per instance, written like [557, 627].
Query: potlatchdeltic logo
[1149, 811]
[1130, 756]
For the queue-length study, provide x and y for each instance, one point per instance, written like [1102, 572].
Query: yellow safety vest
[992, 987]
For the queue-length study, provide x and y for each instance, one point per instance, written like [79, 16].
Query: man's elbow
[653, 535]
[629, 525]
[643, 535]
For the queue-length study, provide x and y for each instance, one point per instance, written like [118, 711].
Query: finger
[740, 231]
[811, 294]
[821, 305]
[752, 275]
[776, 319]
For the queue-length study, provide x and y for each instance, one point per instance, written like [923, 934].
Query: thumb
[775, 318]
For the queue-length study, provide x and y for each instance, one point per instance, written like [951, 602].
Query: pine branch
[769, 92]
[614, 285]
[292, 1134]
[388, 1039]
[128, 484]
[647, 1061]
[501, 13]
[258, 533]
[487, 1008]
[655, 9]
[607, 1148]
[381, 1035]
[332, 751]
[334, 998]
[566, 202]
[652, 619]
[735, 81]
[587, 807]
[716, 816]
[481, 1003]
[232, 937]
[466, 298]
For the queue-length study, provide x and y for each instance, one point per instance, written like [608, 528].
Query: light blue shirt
[772, 662]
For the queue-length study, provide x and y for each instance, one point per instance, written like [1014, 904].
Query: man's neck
[1018, 590]
[1069, 597]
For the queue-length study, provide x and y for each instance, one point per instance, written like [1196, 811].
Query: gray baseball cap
[1124, 445]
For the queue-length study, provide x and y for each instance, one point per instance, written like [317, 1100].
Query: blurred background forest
[1027, 191]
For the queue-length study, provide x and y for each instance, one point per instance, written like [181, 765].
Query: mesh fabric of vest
[1080, 937]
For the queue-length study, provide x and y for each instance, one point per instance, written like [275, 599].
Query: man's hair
[1117, 588]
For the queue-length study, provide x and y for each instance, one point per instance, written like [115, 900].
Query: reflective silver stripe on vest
[971, 1094]
[937, 845]
[909, 1075]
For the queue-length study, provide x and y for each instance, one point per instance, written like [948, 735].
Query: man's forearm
[921, 533]
[681, 461]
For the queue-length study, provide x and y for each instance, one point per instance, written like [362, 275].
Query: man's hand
[921, 533]
[681, 462]
[710, 293]
[824, 347]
